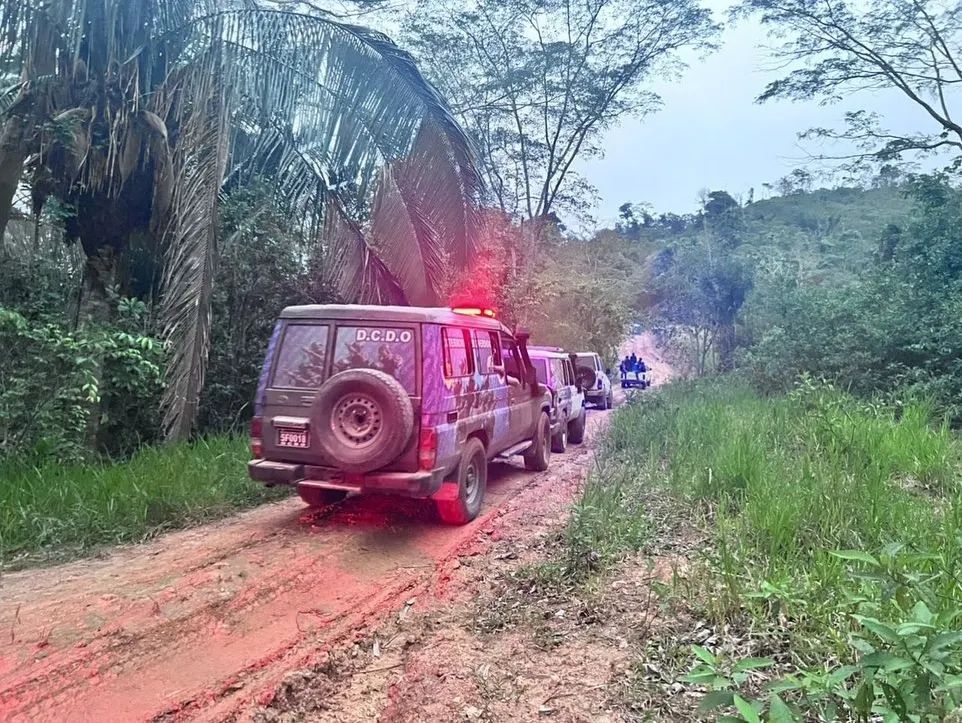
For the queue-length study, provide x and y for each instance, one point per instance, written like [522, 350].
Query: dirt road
[203, 624]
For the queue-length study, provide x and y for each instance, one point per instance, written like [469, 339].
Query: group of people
[632, 365]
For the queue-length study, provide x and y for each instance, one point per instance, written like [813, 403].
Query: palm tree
[138, 113]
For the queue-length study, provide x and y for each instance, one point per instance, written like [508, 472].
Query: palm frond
[354, 266]
[190, 241]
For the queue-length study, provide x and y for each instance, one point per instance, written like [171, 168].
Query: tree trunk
[100, 273]
[12, 155]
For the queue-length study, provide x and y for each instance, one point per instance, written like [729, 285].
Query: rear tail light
[600, 385]
[428, 449]
[257, 441]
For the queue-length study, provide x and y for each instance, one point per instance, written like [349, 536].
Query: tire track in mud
[203, 623]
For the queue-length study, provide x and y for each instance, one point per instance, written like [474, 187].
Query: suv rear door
[520, 404]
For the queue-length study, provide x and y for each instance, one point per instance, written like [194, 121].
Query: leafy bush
[53, 380]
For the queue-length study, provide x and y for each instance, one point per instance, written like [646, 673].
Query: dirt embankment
[205, 624]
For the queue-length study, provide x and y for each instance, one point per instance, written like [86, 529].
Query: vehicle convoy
[555, 369]
[411, 401]
[595, 379]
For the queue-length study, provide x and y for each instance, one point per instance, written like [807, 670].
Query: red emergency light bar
[474, 311]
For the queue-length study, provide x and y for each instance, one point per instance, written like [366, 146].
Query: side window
[488, 351]
[569, 373]
[458, 358]
[511, 358]
[557, 371]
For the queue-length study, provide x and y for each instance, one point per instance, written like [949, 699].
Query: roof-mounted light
[474, 311]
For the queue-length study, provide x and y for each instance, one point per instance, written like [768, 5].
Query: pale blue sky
[710, 134]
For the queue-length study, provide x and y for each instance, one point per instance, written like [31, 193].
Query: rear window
[302, 360]
[387, 349]
[586, 360]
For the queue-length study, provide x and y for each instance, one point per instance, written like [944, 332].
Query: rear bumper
[408, 484]
[596, 395]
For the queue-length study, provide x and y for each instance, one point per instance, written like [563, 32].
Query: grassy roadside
[834, 543]
[54, 512]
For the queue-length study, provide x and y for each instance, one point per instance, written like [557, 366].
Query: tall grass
[66, 510]
[781, 484]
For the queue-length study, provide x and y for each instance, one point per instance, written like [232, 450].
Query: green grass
[779, 486]
[54, 511]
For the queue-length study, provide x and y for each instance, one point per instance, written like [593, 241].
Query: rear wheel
[538, 456]
[559, 441]
[316, 497]
[459, 501]
[576, 428]
[609, 401]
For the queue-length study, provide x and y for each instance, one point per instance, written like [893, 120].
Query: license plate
[296, 438]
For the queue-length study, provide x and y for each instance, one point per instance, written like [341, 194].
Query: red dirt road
[203, 624]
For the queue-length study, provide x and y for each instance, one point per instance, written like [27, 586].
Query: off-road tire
[559, 441]
[472, 479]
[316, 497]
[576, 428]
[609, 401]
[538, 456]
[362, 419]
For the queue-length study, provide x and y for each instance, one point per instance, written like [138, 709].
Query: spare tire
[587, 377]
[362, 419]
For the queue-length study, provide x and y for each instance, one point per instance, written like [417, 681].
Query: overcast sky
[710, 134]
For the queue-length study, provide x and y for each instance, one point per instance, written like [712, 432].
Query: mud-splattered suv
[556, 370]
[402, 400]
[595, 379]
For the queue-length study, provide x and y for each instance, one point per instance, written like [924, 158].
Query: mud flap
[448, 491]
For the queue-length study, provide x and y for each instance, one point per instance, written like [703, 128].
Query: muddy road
[202, 624]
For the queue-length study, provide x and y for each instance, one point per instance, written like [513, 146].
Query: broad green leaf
[753, 664]
[746, 711]
[856, 556]
[704, 654]
[922, 613]
[913, 628]
[885, 632]
[716, 699]
[944, 640]
[779, 712]
[885, 661]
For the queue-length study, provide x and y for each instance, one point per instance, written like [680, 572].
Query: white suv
[594, 379]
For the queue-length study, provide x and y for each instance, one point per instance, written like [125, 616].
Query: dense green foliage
[894, 328]
[834, 530]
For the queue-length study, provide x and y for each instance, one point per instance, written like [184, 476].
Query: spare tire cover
[362, 419]
[587, 377]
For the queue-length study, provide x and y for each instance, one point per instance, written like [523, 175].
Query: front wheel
[538, 456]
[459, 501]
[559, 442]
[576, 428]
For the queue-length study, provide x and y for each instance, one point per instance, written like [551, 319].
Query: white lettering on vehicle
[390, 336]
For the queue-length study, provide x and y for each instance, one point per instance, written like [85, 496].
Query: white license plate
[296, 438]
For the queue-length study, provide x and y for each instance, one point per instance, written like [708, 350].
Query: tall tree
[837, 47]
[536, 82]
[136, 112]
